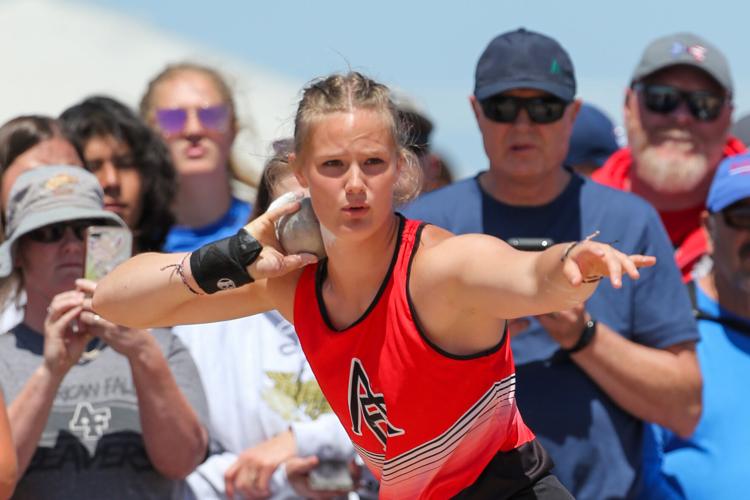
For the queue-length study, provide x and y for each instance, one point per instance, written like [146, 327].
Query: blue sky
[429, 49]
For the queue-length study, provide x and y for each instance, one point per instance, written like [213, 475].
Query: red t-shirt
[427, 423]
[683, 226]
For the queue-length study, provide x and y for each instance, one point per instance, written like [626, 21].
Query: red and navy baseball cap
[731, 183]
[524, 59]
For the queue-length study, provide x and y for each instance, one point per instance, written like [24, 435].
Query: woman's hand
[298, 472]
[126, 341]
[250, 475]
[64, 339]
[272, 261]
[589, 261]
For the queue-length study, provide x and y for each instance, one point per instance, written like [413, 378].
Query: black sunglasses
[55, 232]
[505, 108]
[704, 105]
[737, 218]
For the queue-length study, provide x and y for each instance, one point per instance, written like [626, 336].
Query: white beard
[672, 172]
[676, 164]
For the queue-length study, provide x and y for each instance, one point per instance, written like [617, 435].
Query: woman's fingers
[284, 205]
[62, 303]
[67, 318]
[86, 286]
[271, 263]
[593, 260]
[90, 318]
[614, 268]
[572, 272]
[643, 260]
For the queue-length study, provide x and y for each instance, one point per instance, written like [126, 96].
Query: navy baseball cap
[593, 139]
[524, 59]
[731, 183]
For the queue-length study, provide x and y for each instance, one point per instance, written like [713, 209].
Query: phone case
[331, 475]
[106, 247]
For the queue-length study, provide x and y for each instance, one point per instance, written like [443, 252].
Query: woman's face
[114, 166]
[350, 164]
[195, 121]
[51, 267]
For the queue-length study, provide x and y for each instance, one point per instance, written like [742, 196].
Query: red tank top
[426, 422]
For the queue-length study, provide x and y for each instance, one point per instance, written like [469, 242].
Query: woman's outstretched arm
[484, 274]
[154, 289]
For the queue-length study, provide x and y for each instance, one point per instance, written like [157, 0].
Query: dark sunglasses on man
[737, 217]
[53, 233]
[704, 105]
[213, 118]
[505, 108]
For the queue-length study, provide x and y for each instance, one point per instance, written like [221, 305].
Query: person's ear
[708, 225]
[401, 159]
[295, 163]
[575, 108]
[476, 107]
[629, 103]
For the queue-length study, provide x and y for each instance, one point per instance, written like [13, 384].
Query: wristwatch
[587, 335]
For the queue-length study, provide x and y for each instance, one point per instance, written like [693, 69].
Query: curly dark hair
[101, 116]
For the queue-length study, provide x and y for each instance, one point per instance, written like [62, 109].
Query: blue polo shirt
[597, 446]
[187, 239]
[713, 462]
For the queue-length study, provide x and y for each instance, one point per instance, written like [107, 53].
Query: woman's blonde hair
[348, 92]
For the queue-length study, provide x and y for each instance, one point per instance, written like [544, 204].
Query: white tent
[57, 52]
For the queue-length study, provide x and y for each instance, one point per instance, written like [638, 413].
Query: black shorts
[520, 474]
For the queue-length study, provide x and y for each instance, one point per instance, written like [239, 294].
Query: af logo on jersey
[89, 422]
[367, 406]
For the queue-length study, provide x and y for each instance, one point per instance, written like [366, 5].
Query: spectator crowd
[603, 362]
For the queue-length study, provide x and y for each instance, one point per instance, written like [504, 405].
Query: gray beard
[673, 172]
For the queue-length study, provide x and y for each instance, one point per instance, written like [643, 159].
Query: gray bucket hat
[47, 195]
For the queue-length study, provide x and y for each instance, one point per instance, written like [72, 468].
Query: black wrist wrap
[222, 265]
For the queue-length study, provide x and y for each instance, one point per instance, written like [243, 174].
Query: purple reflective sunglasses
[173, 120]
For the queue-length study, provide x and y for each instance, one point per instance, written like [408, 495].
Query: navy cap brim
[561, 91]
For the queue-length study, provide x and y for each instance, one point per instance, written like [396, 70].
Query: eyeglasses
[704, 105]
[173, 120]
[737, 218]
[505, 108]
[55, 232]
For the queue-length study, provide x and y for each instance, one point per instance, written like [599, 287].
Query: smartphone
[331, 475]
[531, 244]
[106, 247]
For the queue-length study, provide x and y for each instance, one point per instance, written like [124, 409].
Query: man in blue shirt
[712, 462]
[590, 376]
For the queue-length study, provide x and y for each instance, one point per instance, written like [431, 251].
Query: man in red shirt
[677, 114]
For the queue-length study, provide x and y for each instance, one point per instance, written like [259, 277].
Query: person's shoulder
[240, 206]
[438, 198]
[433, 235]
[450, 206]
[615, 170]
[615, 201]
